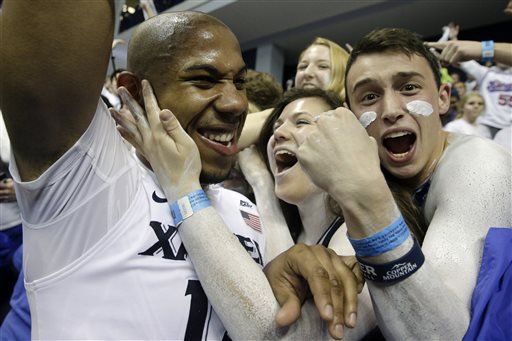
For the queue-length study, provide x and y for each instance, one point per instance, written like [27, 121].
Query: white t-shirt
[102, 257]
[495, 86]
[461, 126]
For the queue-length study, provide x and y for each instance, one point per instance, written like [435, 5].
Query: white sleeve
[77, 200]
[474, 69]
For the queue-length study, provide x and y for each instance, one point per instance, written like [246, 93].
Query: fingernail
[329, 311]
[165, 115]
[352, 320]
[338, 330]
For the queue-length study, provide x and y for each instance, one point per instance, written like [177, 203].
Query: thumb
[375, 146]
[289, 311]
[169, 121]
[173, 127]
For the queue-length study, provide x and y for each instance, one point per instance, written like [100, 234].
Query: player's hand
[332, 280]
[158, 136]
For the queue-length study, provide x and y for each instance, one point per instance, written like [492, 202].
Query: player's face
[205, 90]
[314, 68]
[409, 135]
[296, 122]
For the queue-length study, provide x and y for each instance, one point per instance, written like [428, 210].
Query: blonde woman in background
[322, 65]
[470, 106]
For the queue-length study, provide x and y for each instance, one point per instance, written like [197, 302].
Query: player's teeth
[220, 138]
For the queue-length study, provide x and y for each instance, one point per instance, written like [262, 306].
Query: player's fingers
[289, 312]
[353, 265]
[325, 257]
[350, 291]
[318, 280]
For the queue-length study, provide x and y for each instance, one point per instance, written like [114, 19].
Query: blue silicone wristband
[188, 205]
[487, 50]
[382, 241]
[394, 271]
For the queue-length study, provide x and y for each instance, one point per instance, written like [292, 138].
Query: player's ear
[132, 83]
[444, 98]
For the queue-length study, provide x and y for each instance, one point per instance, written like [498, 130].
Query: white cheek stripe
[420, 108]
[367, 118]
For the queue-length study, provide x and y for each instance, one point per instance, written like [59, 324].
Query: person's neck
[316, 218]
[471, 121]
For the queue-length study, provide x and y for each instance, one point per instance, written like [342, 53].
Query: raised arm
[278, 238]
[252, 128]
[455, 51]
[53, 60]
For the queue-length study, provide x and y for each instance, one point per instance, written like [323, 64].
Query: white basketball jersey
[132, 278]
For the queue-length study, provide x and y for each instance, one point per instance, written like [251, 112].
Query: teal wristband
[487, 50]
[188, 205]
[382, 241]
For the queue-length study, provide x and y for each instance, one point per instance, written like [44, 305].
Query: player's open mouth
[223, 141]
[284, 160]
[399, 144]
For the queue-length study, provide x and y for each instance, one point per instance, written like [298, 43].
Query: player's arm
[53, 60]
[252, 128]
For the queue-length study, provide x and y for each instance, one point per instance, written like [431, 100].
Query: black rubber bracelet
[394, 271]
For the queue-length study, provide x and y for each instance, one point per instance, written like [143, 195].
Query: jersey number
[198, 312]
[505, 100]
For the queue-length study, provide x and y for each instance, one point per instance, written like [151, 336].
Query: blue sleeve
[491, 304]
[16, 325]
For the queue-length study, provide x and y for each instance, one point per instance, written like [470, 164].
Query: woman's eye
[302, 121]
